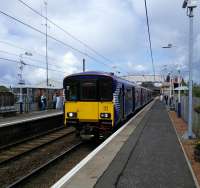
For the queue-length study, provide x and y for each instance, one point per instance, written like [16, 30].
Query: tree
[3, 88]
[196, 90]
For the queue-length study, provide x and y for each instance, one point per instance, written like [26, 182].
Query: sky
[115, 29]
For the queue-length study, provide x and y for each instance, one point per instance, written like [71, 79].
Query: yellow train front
[97, 102]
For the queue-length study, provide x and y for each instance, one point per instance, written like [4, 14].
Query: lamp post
[190, 5]
[21, 81]
[179, 93]
[169, 46]
[179, 80]
[115, 70]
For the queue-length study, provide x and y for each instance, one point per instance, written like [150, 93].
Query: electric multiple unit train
[97, 102]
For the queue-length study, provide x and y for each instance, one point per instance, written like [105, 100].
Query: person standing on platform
[54, 100]
[57, 101]
[166, 99]
[61, 102]
[161, 97]
[44, 102]
[39, 102]
[21, 104]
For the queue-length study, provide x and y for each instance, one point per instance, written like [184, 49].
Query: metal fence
[195, 115]
[32, 103]
[7, 101]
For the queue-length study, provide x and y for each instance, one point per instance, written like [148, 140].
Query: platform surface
[154, 160]
[144, 153]
[25, 117]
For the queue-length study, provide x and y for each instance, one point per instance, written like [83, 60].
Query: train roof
[108, 74]
[92, 73]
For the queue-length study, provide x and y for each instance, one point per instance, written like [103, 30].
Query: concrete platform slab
[21, 118]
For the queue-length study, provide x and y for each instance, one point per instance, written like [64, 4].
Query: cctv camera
[185, 4]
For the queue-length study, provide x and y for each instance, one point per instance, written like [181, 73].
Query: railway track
[23, 140]
[17, 150]
[23, 160]
[34, 172]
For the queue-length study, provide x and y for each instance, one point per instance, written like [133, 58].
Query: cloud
[70, 63]
[136, 69]
[114, 28]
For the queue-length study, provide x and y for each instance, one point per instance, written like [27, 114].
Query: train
[97, 103]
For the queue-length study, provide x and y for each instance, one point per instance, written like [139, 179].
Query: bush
[197, 109]
[197, 145]
[3, 88]
[196, 91]
[197, 151]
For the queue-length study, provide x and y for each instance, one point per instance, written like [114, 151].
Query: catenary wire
[31, 65]
[31, 59]
[149, 35]
[55, 39]
[65, 31]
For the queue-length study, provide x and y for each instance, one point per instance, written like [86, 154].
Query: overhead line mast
[46, 36]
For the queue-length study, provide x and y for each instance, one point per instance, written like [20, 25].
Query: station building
[31, 94]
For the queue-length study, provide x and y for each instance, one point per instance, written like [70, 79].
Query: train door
[141, 97]
[137, 98]
[122, 102]
[133, 97]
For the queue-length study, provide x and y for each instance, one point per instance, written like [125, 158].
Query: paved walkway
[152, 157]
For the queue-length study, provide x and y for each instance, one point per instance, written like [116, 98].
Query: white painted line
[74, 170]
[185, 155]
[30, 119]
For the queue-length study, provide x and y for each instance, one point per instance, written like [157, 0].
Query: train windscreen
[71, 90]
[89, 89]
[105, 89]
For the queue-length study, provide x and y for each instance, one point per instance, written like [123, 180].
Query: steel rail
[14, 157]
[50, 162]
[21, 141]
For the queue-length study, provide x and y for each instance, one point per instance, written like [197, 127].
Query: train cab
[89, 101]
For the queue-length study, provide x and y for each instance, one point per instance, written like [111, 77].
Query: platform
[25, 117]
[145, 153]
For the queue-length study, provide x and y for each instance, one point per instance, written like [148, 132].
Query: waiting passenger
[43, 102]
[54, 100]
[59, 102]
[161, 97]
[166, 99]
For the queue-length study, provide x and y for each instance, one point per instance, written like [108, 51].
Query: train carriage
[97, 102]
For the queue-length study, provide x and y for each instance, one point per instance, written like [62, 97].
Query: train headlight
[72, 114]
[105, 115]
